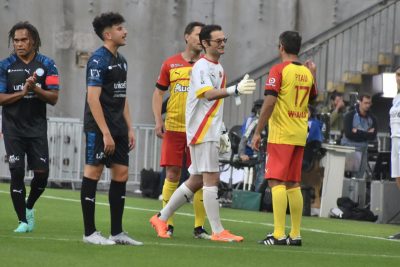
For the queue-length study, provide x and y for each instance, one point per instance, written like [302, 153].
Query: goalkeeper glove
[224, 143]
[245, 87]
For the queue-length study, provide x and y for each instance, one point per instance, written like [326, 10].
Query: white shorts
[395, 157]
[204, 157]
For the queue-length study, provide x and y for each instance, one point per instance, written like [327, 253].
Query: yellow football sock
[279, 204]
[167, 191]
[199, 211]
[296, 210]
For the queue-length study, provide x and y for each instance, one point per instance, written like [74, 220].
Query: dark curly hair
[33, 33]
[105, 20]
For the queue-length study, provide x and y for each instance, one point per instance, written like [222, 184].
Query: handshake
[245, 87]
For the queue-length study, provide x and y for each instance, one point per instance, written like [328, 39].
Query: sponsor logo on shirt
[18, 87]
[15, 70]
[116, 66]
[271, 82]
[297, 114]
[120, 85]
[176, 65]
[181, 89]
[95, 73]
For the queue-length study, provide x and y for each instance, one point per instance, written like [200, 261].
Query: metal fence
[66, 152]
[362, 44]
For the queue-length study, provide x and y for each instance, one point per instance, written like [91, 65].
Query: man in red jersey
[288, 89]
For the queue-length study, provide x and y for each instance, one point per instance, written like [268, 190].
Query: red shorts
[174, 146]
[284, 162]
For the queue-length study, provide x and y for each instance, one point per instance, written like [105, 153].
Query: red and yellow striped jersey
[293, 85]
[175, 76]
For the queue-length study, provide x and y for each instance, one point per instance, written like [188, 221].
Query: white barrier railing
[67, 148]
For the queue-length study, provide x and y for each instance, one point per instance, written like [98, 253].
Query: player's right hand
[109, 145]
[246, 86]
[160, 130]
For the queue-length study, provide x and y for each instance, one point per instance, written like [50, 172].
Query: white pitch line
[222, 247]
[222, 219]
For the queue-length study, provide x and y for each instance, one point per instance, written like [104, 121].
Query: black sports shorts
[95, 150]
[35, 148]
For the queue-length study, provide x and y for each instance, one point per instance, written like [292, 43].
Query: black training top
[27, 116]
[108, 72]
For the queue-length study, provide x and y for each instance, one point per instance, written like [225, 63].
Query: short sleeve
[3, 77]
[52, 79]
[163, 81]
[274, 80]
[201, 79]
[95, 71]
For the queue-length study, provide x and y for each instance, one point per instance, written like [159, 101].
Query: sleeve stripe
[200, 92]
[271, 92]
[161, 87]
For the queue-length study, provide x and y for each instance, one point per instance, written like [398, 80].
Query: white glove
[245, 87]
[224, 143]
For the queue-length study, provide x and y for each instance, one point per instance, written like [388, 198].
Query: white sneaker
[97, 239]
[336, 213]
[124, 239]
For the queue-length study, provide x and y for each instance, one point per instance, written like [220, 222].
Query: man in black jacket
[360, 127]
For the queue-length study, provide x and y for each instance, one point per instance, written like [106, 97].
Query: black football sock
[18, 193]
[116, 198]
[38, 185]
[88, 201]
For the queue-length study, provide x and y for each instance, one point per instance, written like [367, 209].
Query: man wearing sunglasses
[204, 111]
[174, 77]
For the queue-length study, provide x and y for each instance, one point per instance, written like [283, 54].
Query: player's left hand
[132, 139]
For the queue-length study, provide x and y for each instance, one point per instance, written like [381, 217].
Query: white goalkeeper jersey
[395, 117]
[204, 117]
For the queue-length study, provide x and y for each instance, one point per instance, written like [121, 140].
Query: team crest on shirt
[202, 77]
[39, 72]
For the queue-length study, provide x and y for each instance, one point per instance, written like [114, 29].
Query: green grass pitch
[57, 239]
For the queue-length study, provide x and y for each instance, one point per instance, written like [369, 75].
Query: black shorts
[35, 148]
[95, 150]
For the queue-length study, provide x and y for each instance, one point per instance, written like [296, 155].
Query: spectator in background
[245, 150]
[360, 127]
[314, 138]
[337, 111]
[311, 174]
[395, 135]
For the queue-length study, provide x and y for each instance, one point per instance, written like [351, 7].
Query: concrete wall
[156, 32]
